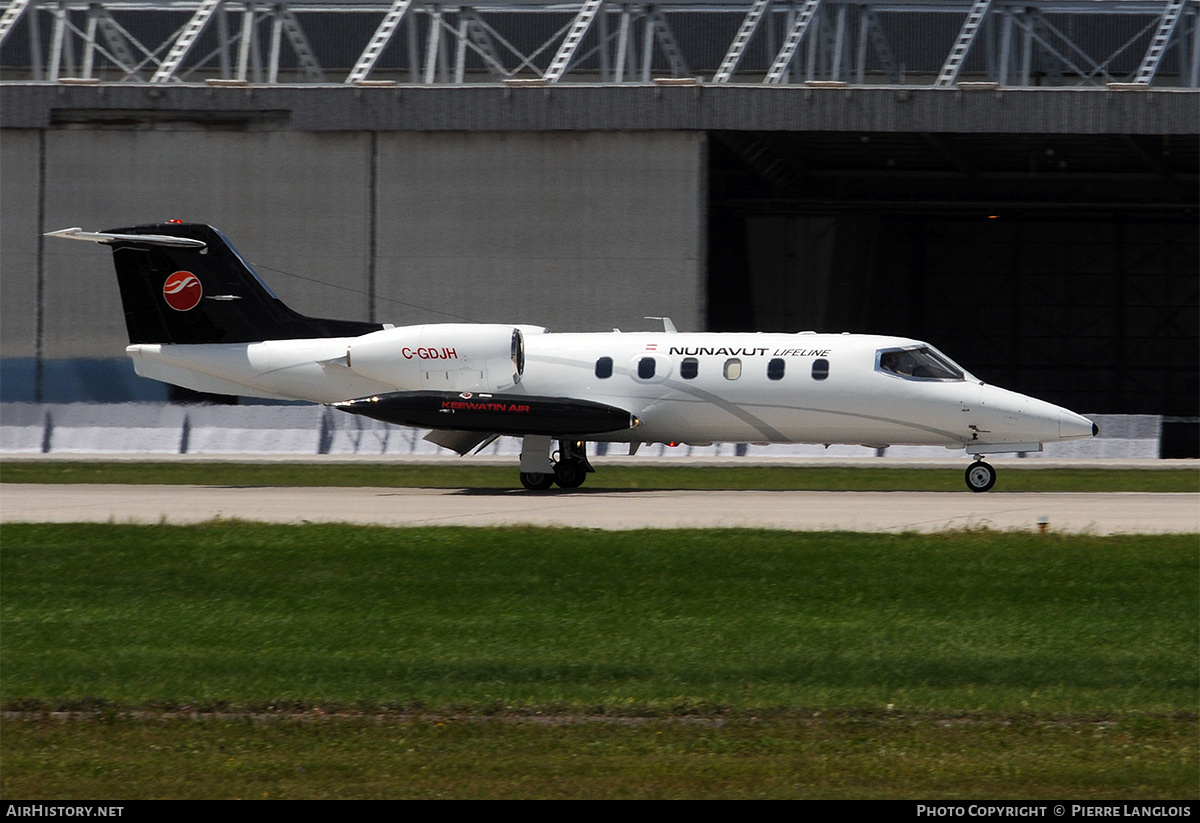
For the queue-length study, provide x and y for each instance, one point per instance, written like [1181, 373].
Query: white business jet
[198, 316]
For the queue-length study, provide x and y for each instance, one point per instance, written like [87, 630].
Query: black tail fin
[185, 283]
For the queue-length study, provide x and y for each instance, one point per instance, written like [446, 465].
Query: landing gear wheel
[536, 481]
[569, 474]
[980, 476]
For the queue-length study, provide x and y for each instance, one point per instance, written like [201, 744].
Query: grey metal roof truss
[853, 42]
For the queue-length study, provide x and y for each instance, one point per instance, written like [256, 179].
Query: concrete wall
[579, 231]
[19, 242]
[573, 230]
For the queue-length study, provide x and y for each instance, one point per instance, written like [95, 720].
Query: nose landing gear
[980, 476]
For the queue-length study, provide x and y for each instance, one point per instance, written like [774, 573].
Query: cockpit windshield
[918, 363]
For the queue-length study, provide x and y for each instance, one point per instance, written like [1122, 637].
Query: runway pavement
[1101, 513]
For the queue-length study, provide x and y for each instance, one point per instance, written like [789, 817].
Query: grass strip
[340, 661]
[647, 622]
[452, 475]
[815, 756]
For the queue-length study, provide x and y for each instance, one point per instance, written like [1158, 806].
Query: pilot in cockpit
[893, 362]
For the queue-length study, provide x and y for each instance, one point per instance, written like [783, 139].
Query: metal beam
[10, 17]
[249, 42]
[433, 45]
[792, 41]
[849, 48]
[58, 40]
[966, 36]
[1193, 74]
[187, 38]
[483, 44]
[1158, 45]
[880, 44]
[566, 51]
[304, 53]
[383, 35]
[668, 43]
[740, 40]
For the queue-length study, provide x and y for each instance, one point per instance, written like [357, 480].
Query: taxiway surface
[1101, 513]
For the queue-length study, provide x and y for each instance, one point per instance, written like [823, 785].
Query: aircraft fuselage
[683, 388]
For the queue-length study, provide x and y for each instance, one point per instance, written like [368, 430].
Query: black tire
[980, 476]
[569, 474]
[536, 481]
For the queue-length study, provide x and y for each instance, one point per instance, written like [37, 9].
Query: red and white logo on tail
[183, 291]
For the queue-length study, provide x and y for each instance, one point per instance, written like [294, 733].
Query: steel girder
[857, 42]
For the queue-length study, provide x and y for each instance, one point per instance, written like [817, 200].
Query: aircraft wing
[492, 414]
[461, 442]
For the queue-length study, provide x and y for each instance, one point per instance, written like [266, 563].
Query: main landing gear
[536, 481]
[571, 468]
[980, 476]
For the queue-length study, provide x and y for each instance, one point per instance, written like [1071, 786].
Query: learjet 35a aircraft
[198, 316]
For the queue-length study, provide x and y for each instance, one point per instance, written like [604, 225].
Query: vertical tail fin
[185, 283]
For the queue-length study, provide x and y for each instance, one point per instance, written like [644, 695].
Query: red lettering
[451, 354]
[407, 352]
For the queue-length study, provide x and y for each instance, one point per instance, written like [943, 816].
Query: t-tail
[185, 283]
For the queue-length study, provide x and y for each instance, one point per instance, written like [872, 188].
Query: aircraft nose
[1072, 425]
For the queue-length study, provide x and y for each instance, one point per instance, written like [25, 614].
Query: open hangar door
[1066, 267]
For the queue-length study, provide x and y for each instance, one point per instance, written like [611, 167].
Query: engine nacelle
[441, 357]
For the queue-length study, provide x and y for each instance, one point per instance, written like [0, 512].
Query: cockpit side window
[917, 363]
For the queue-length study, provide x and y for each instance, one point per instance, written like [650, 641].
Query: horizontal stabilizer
[516, 415]
[141, 239]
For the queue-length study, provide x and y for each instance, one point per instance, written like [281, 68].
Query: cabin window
[918, 363]
[733, 368]
[689, 368]
[775, 369]
[820, 369]
[604, 367]
[646, 368]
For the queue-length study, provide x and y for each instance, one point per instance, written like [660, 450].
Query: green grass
[674, 663]
[650, 621]
[744, 757]
[452, 475]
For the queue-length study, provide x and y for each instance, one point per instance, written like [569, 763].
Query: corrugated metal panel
[579, 107]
